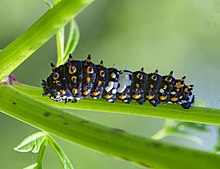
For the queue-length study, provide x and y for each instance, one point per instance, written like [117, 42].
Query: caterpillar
[77, 79]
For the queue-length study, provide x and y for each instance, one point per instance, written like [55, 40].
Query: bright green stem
[41, 31]
[160, 134]
[112, 141]
[163, 131]
[73, 39]
[41, 154]
[169, 111]
[60, 46]
[62, 156]
[60, 42]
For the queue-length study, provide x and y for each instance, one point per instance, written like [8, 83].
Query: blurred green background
[183, 36]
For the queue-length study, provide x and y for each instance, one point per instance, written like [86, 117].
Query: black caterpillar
[77, 79]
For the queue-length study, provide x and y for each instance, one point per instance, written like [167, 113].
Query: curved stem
[60, 42]
[160, 134]
[112, 141]
[63, 158]
[60, 46]
[41, 154]
[41, 31]
[169, 111]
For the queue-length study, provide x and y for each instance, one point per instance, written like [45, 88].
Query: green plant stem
[60, 46]
[41, 31]
[116, 142]
[160, 134]
[73, 39]
[41, 154]
[63, 158]
[60, 42]
[169, 111]
[163, 131]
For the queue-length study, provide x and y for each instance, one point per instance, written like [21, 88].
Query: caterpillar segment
[124, 88]
[89, 76]
[74, 76]
[100, 81]
[138, 86]
[77, 79]
[152, 88]
[110, 90]
[166, 87]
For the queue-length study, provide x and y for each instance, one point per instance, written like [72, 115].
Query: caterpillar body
[77, 79]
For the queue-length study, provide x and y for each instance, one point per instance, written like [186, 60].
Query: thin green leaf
[32, 166]
[163, 133]
[63, 158]
[41, 154]
[39, 33]
[60, 39]
[60, 46]
[178, 129]
[167, 125]
[186, 135]
[173, 125]
[115, 142]
[160, 134]
[73, 39]
[170, 130]
[49, 4]
[32, 143]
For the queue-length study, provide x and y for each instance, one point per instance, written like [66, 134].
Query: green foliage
[178, 128]
[73, 39]
[40, 32]
[32, 143]
[37, 143]
[49, 4]
[111, 141]
[33, 166]
[49, 117]
[63, 158]
[169, 111]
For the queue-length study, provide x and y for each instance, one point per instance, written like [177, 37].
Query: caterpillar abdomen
[76, 79]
